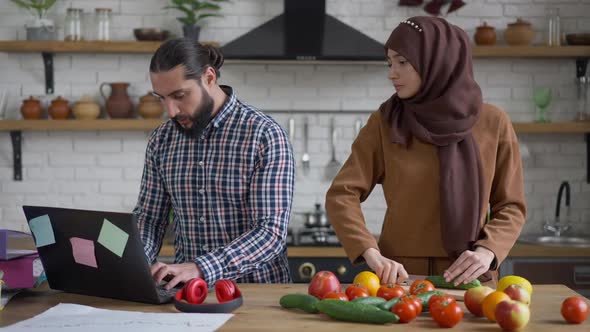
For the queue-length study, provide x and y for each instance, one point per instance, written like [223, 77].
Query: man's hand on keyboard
[177, 272]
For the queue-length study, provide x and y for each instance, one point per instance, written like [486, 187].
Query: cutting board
[457, 294]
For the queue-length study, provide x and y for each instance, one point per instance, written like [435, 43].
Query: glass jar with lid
[102, 24]
[73, 26]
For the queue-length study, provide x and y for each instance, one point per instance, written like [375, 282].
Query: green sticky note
[43, 231]
[113, 238]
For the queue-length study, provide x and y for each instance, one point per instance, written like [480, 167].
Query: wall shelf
[18, 46]
[150, 124]
[49, 48]
[15, 127]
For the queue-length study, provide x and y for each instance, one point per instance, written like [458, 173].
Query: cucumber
[389, 304]
[372, 300]
[439, 282]
[304, 302]
[355, 312]
[424, 297]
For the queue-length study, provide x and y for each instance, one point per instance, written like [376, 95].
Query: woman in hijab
[442, 157]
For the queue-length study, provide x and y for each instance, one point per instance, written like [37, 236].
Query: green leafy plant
[195, 10]
[37, 8]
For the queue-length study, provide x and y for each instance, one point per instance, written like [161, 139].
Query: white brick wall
[103, 170]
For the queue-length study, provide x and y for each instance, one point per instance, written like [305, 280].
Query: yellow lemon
[369, 280]
[514, 280]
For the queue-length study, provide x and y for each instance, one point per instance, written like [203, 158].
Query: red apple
[474, 297]
[512, 315]
[518, 293]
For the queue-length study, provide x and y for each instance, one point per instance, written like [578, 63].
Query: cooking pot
[315, 218]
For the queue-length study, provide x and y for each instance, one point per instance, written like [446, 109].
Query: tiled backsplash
[101, 170]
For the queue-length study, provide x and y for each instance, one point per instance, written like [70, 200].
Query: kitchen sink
[556, 241]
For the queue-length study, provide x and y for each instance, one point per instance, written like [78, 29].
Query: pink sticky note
[83, 251]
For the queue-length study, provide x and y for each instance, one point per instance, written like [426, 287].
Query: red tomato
[421, 286]
[323, 283]
[438, 298]
[356, 290]
[414, 300]
[390, 291]
[405, 310]
[338, 296]
[574, 310]
[446, 314]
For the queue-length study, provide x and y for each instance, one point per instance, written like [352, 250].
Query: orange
[490, 302]
[369, 280]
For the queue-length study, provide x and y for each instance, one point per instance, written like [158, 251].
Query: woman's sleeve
[507, 201]
[353, 184]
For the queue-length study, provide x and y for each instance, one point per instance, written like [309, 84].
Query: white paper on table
[67, 317]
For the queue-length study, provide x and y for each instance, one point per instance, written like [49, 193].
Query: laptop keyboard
[162, 292]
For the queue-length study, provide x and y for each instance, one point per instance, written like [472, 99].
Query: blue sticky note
[113, 238]
[42, 230]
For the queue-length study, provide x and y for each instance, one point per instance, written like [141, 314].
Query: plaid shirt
[231, 190]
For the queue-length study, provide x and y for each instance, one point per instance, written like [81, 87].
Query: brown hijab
[443, 113]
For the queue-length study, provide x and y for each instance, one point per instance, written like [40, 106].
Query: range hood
[304, 32]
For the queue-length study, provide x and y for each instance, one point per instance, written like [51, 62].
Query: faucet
[557, 228]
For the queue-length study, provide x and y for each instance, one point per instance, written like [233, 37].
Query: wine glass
[542, 98]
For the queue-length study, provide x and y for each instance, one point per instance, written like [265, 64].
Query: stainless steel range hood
[304, 32]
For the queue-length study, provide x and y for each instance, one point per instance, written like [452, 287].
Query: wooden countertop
[519, 250]
[261, 311]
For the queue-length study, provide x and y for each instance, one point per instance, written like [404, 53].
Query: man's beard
[200, 117]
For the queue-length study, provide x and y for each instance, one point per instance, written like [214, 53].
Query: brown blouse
[410, 178]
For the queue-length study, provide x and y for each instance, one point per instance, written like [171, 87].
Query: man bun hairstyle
[195, 58]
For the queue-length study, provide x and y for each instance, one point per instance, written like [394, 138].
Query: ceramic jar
[31, 109]
[59, 109]
[86, 109]
[118, 104]
[150, 107]
[485, 35]
[519, 33]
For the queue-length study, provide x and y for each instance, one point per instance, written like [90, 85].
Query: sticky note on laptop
[113, 238]
[42, 230]
[83, 251]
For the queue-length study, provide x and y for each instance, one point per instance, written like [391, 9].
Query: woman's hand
[469, 266]
[388, 271]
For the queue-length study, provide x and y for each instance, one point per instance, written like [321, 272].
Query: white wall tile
[102, 170]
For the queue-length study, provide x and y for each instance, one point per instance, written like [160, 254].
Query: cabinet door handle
[582, 275]
[306, 271]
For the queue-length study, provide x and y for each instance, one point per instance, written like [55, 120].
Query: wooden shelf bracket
[17, 138]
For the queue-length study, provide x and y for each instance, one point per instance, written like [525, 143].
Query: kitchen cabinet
[304, 268]
[574, 272]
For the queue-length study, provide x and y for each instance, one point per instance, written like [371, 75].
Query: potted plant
[194, 11]
[40, 27]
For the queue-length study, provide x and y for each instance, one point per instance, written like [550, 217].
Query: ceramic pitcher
[118, 104]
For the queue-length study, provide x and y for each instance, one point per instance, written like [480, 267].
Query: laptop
[94, 253]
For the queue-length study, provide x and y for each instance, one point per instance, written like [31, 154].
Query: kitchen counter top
[261, 311]
[519, 250]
